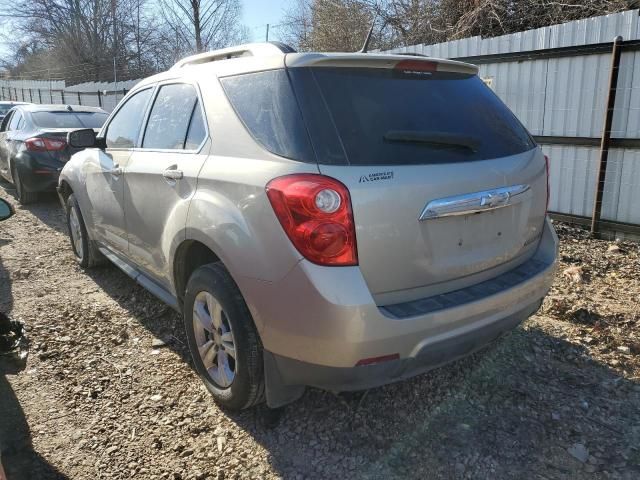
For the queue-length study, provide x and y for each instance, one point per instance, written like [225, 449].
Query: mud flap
[278, 394]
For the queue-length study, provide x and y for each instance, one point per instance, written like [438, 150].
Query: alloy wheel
[214, 339]
[76, 232]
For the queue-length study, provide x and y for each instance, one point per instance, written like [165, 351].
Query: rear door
[446, 184]
[161, 176]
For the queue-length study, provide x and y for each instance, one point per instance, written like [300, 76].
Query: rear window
[367, 116]
[69, 119]
[389, 117]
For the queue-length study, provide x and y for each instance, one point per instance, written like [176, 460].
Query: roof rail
[246, 50]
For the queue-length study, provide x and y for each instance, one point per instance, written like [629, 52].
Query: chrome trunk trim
[473, 202]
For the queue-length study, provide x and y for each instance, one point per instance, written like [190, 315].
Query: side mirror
[85, 138]
[6, 210]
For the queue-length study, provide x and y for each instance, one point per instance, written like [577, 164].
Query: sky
[255, 16]
[257, 13]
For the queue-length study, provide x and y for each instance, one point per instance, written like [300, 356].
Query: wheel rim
[214, 339]
[76, 233]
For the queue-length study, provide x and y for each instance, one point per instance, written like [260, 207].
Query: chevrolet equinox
[333, 220]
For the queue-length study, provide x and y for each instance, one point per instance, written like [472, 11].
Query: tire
[84, 250]
[209, 287]
[24, 197]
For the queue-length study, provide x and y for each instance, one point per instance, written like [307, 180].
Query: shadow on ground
[513, 409]
[20, 460]
[531, 405]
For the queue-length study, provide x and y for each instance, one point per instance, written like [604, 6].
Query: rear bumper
[295, 372]
[317, 323]
[38, 176]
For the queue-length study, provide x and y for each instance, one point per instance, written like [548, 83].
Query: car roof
[61, 108]
[8, 102]
[255, 57]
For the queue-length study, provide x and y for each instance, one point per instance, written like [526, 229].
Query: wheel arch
[189, 255]
[197, 250]
[64, 191]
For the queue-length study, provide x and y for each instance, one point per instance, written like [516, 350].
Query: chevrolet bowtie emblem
[473, 202]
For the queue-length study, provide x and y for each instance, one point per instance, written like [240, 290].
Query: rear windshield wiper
[442, 139]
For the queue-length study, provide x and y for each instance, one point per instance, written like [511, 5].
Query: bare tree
[198, 25]
[78, 40]
[430, 21]
[342, 24]
[329, 25]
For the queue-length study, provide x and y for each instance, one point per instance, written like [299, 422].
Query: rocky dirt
[109, 393]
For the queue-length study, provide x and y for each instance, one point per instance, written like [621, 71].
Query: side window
[170, 117]
[197, 130]
[124, 128]
[15, 121]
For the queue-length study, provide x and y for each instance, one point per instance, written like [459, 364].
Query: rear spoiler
[410, 63]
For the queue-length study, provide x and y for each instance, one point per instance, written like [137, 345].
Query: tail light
[416, 66]
[546, 163]
[43, 144]
[315, 213]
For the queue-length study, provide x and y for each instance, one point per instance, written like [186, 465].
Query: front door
[161, 176]
[105, 174]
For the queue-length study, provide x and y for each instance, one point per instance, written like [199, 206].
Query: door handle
[172, 174]
[116, 171]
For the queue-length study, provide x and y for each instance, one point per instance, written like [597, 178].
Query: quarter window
[124, 128]
[197, 130]
[175, 119]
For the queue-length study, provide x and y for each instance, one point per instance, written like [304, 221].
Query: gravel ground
[109, 392]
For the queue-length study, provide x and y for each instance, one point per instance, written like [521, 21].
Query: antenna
[365, 47]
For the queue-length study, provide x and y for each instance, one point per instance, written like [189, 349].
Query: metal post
[267, 36]
[62, 96]
[99, 98]
[606, 134]
[115, 80]
[79, 99]
[30, 96]
[22, 94]
[40, 95]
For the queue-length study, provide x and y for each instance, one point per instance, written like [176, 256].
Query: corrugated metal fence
[95, 94]
[556, 80]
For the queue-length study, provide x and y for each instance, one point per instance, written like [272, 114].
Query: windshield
[69, 119]
[391, 117]
[5, 108]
